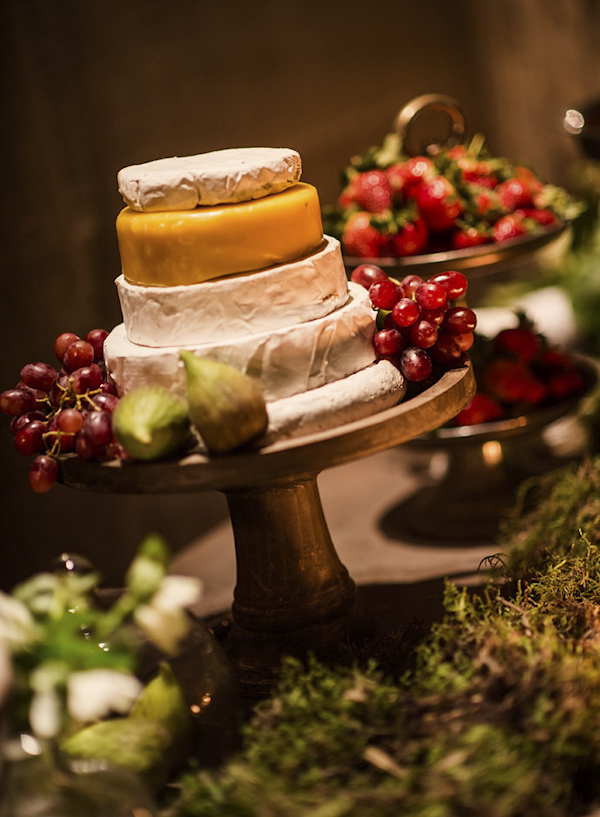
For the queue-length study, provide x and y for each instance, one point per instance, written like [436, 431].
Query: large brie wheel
[218, 177]
[236, 306]
[376, 388]
[191, 246]
[283, 362]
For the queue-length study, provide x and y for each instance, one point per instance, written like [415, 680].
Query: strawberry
[348, 195]
[438, 203]
[543, 216]
[529, 177]
[362, 239]
[372, 191]
[516, 192]
[560, 373]
[483, 181]
[412, 235]
[466, 236]
[405, 176]
[482, 203]
[481, 409]
[520, 341]
[507, 227]
[509, 380]
[565, 384]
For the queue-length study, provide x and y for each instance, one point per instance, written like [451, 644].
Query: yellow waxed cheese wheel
[187, 247]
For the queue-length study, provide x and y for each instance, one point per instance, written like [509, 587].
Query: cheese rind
[378, 387]
[217, 177]
[286, 361]
[236, 306]
[188, 247]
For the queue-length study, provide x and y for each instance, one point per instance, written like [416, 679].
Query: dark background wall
[89, 87]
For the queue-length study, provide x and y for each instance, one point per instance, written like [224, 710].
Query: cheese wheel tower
[223, 254]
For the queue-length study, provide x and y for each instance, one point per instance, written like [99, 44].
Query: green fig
[150, 422]
[225, 405]
[162, 701]
[142, 746]
[154, 738]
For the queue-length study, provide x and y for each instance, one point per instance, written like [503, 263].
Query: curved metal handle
[405, 121]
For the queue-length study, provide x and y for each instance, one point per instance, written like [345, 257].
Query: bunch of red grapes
[58, 411]
[420, 324]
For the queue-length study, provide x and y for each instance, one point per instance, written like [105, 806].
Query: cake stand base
[293, 595]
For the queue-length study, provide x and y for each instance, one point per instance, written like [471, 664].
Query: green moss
[499, 714]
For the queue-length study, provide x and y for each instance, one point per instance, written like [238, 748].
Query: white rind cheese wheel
[378, 387]
[218, 177]
[287, 361]
[237, 306]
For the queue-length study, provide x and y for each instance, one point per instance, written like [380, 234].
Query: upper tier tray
[476, 261]
[287, 459]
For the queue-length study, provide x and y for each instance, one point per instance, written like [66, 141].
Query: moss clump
[549, 514]
[498, 715]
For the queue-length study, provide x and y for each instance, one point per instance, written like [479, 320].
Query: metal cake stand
[292, 592]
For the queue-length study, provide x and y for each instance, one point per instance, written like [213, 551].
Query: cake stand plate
[473, 262]
[485, 464]
[292, 593]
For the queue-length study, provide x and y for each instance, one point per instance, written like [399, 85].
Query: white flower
[45, 713]
[94, 693]
[17, 627]
[45, 710]
[163, 619]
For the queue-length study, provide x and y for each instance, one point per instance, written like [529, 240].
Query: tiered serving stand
[484, 463]
[293, 594]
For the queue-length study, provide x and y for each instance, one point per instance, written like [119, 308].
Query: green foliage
[499, 714]
[549, 514]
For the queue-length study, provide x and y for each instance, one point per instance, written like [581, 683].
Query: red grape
[87, 378]
[430, 295]
[455, 283]
[415, 364]
[367, 274]
[97, 427]
[43, 474]
[388, 342]
[106, 401]
[446, 350]
[423, 334]
[108, 387]
[39, 376]
[405, 312]
[69, 420]
[17, 401]
[55, 436]
[434, 316]
[39, 394]
[97, 337]
[384, 294]
[85, 448]
[410, 284]
[58, 393]
[459, 320]
[62, 342]
[30, 439]
[465, 340]
[79, 353]
[17, 423]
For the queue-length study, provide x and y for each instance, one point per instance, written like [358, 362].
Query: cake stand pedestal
[293, 594]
